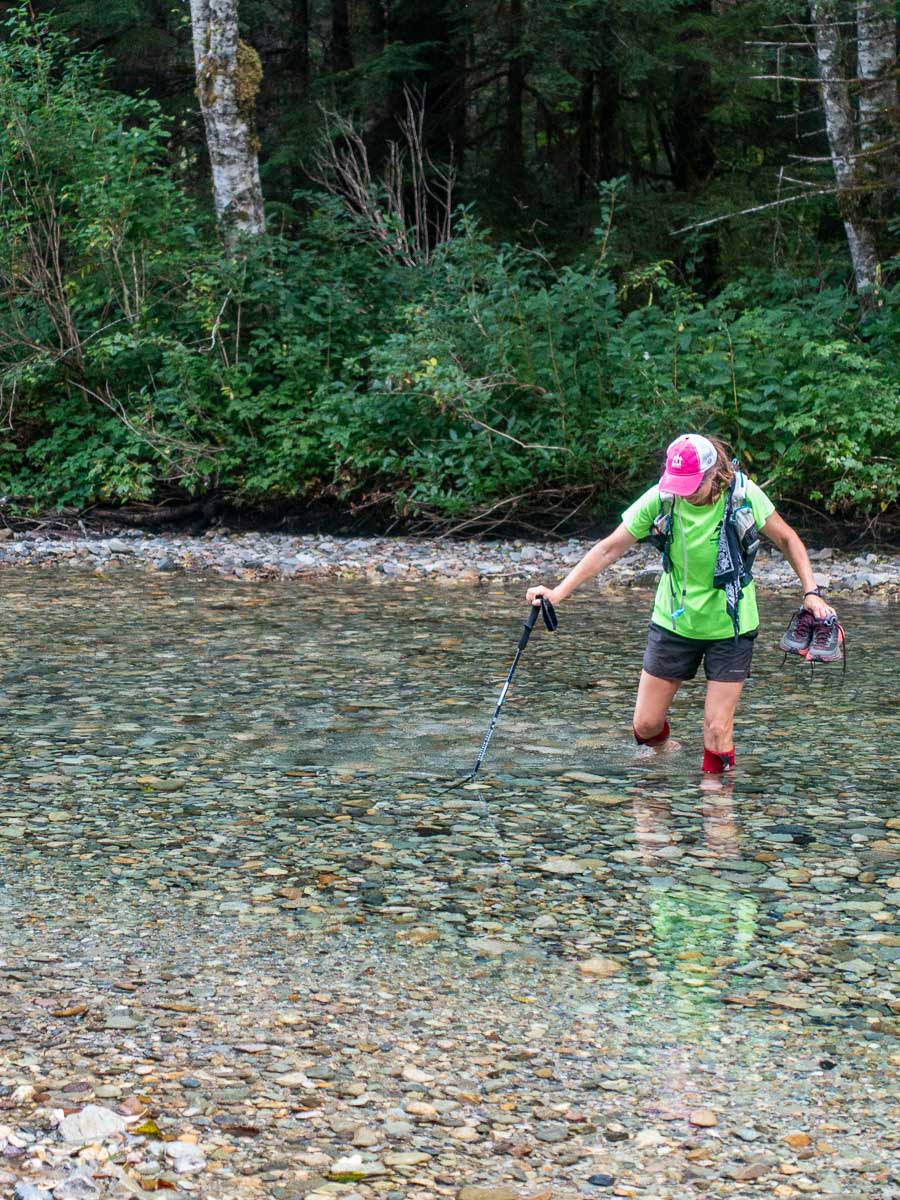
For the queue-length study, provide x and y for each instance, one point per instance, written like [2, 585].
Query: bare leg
[652, 704]
[718, 721]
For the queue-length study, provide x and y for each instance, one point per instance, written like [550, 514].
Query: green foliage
[136, 361]
[508, 376]
[94, 237]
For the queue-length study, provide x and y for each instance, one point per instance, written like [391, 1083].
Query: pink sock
[717, 761]
[656, 740]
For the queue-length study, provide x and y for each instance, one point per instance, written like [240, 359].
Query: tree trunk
[607, 122]
[300, 42]
[840, 128]
[585, 134]
[373, 25]
[516, 71]
[877, 32]
[879, 119]
[228, 78]
[341, 48]
[282, 38]
[689, 127]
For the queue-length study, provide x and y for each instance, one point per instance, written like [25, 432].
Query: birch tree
[862, 142]
[840, 126]
[877, 49]
[879, 128]
[229, 74]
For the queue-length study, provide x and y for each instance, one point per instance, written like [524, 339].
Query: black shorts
[671, 656]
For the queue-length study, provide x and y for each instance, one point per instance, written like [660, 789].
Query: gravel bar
[255, 555]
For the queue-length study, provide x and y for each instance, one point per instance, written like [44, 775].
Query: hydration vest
[740, 520]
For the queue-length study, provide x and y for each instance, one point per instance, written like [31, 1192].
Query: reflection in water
[698, 934]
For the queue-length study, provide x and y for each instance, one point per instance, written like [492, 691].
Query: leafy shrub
[506, 375]
[136, 360]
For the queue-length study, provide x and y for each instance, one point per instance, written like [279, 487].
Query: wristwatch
[817, 591]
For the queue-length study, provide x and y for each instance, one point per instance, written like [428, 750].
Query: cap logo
[676, 460]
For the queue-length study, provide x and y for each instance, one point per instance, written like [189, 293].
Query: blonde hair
[721, 472]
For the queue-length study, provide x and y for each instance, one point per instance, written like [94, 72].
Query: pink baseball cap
[688, 459]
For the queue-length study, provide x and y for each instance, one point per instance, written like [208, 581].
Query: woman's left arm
[790, 545]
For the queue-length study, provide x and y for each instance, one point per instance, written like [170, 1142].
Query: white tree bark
[876, 24]
[840, 126]
[228, 78]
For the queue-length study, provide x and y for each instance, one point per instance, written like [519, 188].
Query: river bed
[252, 947]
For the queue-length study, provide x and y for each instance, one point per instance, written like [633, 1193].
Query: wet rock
[551, 1131]
[488, 1193]
[491, 947]
[703, 1117]
[22, 1189]
[399, 1129]
[290, 1079]
[747, 1133]
[797, 1139]
[648, 578]
[422, 1109]
[749, 1171]
[121, 1021]
[600, 968]
[564, 866]
[405, 1158]
[92, 1124]
[81, 1185]
[364, 1138]
[245, 555]
[185, 1157]
[354, 1167]
[417, 1075]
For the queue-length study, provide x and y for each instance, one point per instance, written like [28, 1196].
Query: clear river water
[223, 823]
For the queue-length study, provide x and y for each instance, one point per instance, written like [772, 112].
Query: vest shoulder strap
[737, 494]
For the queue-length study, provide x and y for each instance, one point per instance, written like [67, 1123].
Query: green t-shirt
[697, 526]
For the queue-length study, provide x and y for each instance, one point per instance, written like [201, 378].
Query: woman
[699, 515]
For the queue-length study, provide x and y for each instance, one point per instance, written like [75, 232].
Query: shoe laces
[823, 632]
[806, 622]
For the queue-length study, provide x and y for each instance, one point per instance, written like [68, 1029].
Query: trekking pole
[550, 620]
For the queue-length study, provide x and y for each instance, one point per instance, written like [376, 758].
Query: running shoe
[827, 642]
[799, 633]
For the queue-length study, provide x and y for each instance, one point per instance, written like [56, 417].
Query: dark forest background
[510, 249]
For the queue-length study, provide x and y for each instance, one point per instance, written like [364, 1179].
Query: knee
[644, 729]
[646, 734]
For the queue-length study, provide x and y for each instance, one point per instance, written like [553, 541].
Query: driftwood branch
[151, 517]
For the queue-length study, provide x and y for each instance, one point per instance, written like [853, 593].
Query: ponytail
[722, 472]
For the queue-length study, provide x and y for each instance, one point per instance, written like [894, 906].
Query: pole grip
[548, 612]
[529, 625]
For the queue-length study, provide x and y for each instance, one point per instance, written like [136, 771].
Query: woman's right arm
[596, 560]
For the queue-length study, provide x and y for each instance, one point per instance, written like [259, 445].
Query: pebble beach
[255, 555]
